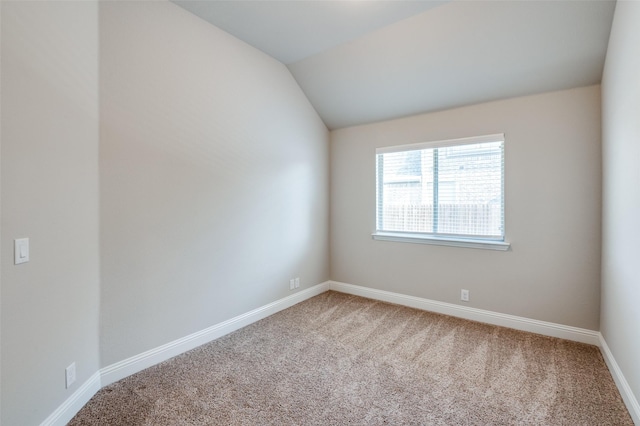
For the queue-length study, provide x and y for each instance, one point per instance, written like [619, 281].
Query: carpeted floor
[338, 359]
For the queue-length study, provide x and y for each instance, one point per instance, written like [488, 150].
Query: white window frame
[434, 239]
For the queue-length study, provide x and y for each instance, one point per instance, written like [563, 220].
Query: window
[449, 192]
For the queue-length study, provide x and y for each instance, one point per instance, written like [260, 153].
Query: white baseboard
[124, 368]
[623, 386]
[519, 323]
[505, 320]
[74, 403]
[63, 414]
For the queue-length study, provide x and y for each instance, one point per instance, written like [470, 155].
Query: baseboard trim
[129, 366]
[112, 373]
[623, 386]
[65, 412]
[505, 320]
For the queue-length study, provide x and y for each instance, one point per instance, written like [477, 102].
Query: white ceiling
[365, 61]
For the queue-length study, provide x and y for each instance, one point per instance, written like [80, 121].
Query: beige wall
[552, 190]
[621, 193]
[49, 194]
[214, 192]
[214, 178]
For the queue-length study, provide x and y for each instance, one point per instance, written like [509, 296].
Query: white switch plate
[21, 250]
[297, 283]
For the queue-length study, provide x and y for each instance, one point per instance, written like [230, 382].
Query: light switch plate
[21, 250]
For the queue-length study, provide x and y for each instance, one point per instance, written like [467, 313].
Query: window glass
[452, 190]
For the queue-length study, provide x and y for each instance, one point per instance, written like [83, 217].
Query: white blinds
[449, 189]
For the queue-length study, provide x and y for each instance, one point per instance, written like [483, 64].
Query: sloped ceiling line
[366, 61]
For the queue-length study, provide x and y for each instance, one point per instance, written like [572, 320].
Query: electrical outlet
[297, 282]
[70, 374]
[292, 283]
[464, 295]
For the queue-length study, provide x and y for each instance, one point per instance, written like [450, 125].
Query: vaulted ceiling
[365, 61]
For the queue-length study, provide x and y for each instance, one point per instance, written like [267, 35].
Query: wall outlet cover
[70, 374]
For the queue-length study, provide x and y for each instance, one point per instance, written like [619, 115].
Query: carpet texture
[338, 359]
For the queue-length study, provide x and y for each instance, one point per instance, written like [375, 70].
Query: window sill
[427, 239]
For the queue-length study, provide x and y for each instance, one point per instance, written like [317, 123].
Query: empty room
[319, 212]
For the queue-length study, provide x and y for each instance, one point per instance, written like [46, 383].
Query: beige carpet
[338, 359]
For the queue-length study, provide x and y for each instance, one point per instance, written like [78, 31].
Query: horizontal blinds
[444, 189]
[498, 137]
